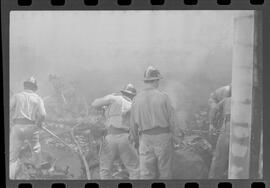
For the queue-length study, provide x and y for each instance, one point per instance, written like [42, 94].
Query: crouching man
[116, 143]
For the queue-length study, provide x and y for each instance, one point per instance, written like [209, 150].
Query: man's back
[151, 109]
[224, 106]
[27, 104]
[216, 97]
[116, 112]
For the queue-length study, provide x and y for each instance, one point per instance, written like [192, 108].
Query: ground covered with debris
[79, 128]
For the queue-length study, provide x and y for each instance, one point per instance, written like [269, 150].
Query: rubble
[82, 127]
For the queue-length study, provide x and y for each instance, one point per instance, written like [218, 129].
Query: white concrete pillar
[242, 91]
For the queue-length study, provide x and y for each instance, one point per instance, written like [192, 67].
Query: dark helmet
[31, 83]
[152, 73]
[129, 89]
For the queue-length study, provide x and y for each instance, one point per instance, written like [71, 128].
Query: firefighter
[153, 121]
[219, 165]
[215, 97]
[214, 120]
[116, 142]
[27, 113]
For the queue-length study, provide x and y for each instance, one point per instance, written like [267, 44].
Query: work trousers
[155, 153]
[219, 165]
[118, 145]
[21, 134]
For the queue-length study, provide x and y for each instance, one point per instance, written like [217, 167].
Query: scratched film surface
[79, 56]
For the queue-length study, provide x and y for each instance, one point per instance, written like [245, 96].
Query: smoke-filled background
[105, 50]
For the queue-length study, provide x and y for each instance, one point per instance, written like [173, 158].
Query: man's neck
[150, 86]
[28, 91]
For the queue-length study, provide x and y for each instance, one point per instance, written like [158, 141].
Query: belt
[115, 130]
[23, 121]
[156, 131]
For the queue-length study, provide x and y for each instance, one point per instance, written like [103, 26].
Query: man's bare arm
[104, 101]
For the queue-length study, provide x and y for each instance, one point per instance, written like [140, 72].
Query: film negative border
[8, 5]
[130, 2]
[146, 184]
[136, 4]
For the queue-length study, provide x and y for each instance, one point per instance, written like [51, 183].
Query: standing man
[27, 113]
[215, 122]
[216, 97]
[153, 121]
[219, 166]
[116, 143]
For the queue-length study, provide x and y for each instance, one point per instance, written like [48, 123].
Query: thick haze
[106, 50]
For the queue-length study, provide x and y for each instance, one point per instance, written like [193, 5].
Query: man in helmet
[116, 143]
[215, 97]
[219, 165]
[153, 121]
[27, 113]
[214, 115]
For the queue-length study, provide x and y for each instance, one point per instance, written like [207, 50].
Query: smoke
[105, 50]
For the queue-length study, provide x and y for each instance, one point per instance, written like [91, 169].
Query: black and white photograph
[135, 95]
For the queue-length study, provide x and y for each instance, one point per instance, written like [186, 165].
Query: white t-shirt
[118, 111]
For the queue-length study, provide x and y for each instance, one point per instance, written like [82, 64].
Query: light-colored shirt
[224, 106]
[222, 109]
[118, 111]
[27, 104]
[152, 108]
[215, 98]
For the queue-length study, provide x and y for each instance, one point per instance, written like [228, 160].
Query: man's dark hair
[30, 86]
[131, 96]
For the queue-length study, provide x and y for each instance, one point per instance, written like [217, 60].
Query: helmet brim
[127, 92]
[153, 78]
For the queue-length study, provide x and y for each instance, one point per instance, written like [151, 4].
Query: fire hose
[55, 136]
[88, 174]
